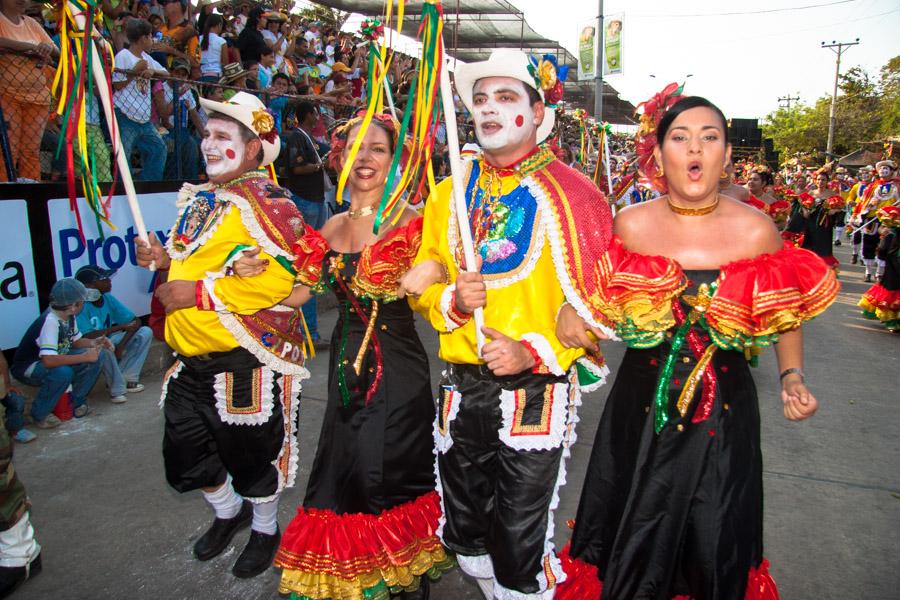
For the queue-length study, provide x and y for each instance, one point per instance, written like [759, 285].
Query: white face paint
[884, 172]
[223, 149]
[503, 117]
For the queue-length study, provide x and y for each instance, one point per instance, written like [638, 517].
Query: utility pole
[787, 100]
[598, 94]
[838, 48]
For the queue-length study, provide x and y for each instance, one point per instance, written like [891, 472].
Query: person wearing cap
[883, 192]
[235, 75]
[131, 97]
[107, 316]
[231, 400]
[506, 414]
[53, 354]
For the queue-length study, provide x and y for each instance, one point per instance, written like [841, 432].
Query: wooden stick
[459, 200]
[121, 159]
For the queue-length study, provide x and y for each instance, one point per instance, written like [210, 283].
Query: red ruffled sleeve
[382, 264]
[636, 291]
[309, 251]
[756, 203]
[770, 294]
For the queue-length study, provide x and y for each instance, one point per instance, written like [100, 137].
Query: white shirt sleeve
[48, 341]
[153, 64]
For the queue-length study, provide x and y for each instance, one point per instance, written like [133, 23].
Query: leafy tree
[866, 110]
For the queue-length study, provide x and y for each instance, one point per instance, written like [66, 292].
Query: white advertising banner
[115, 250]
[18, 288]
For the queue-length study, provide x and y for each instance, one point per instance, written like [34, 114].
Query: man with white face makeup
[231, 399]
[507, 416]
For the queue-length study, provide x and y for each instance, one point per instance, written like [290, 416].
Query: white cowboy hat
[502, 63]
[886, 163]
[250, 110]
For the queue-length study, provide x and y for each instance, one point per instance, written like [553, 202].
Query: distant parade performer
[854, 197]
[882, 300]
[231, 398]
[814, 216]
[506, 415]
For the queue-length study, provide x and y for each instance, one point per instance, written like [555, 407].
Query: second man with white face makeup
[506, 417]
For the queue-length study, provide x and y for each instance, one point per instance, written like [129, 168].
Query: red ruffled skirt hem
[582, 581]
[327, 555]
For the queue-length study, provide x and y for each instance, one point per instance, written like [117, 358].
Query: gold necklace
[359, 213]
[692, 212]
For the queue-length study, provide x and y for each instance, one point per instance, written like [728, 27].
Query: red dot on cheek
[520, 120]
[230, 153]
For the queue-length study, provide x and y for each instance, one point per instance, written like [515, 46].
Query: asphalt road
[111, 528]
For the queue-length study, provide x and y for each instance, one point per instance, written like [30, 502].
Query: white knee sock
[17, 545]
[265, 517]
[225, 501]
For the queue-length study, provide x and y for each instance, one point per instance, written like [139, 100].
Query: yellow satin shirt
[520, 304]
[191, 331]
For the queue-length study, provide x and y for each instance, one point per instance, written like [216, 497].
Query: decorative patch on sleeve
[448, 407]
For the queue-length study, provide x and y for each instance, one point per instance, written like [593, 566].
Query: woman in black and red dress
[693, 282]
[814, 217]
[367, 527]
[882, 300]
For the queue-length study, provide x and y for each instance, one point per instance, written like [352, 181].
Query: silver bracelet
[791, 371]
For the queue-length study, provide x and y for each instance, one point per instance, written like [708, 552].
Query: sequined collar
[538, 159]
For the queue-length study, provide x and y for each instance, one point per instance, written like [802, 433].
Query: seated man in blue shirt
[107, 316]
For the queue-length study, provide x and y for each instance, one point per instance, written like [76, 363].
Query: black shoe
[258, 554]
[837, 242]
[12, 577]
[868, 278]
[854, 259]
[219, 534]
[420, 594]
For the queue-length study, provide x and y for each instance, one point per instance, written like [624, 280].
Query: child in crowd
[53, 355]
[107, 316]
[14, 403]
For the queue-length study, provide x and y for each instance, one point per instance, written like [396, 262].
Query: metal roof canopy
[474, 28]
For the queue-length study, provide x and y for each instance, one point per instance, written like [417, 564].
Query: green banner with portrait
[612, 45]
[588, 41]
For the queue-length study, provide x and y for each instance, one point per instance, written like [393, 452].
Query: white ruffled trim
[502, 593]
[534, 252]
[479, 566]
[254, 347]
[601, 372]
[545, 351]
[266, 399]
[556, 250]
[229, 264]
[446, 299]
[536, 441]
[290, 406]
[171, 374]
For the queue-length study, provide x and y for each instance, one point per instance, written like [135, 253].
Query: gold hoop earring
[659, 171]
[724, 175]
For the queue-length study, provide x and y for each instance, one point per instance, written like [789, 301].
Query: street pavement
[111, 528]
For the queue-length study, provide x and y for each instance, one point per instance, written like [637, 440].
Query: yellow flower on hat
[547, 74]
[263, 122]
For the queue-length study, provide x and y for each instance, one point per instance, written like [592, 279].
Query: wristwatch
[791, 371]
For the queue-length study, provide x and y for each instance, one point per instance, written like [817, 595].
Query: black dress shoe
[12, 577]
[422, 593]
[219, 534]
[258, 554]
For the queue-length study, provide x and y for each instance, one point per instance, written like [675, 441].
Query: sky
[741, 62]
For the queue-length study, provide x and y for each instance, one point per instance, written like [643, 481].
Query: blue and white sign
[18, 288]
[116, 249]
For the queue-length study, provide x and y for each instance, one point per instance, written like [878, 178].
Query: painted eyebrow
[500, 91]
[704, 128]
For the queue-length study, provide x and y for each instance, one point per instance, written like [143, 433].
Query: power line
[743, 13]
[787, 99]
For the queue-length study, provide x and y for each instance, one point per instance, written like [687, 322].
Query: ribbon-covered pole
[106, 101]
[459, 200]
[606, 159]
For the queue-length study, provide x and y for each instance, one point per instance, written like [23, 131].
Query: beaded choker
[692, 212]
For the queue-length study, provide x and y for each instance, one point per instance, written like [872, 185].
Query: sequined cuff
[453, 317]
[205, 296]
[546, 362]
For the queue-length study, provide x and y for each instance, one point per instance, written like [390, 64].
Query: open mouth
[364, 172]
[490, 127]
[695, 170]
[213, 158]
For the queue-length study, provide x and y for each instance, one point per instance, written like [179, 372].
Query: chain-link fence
[161, 136]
